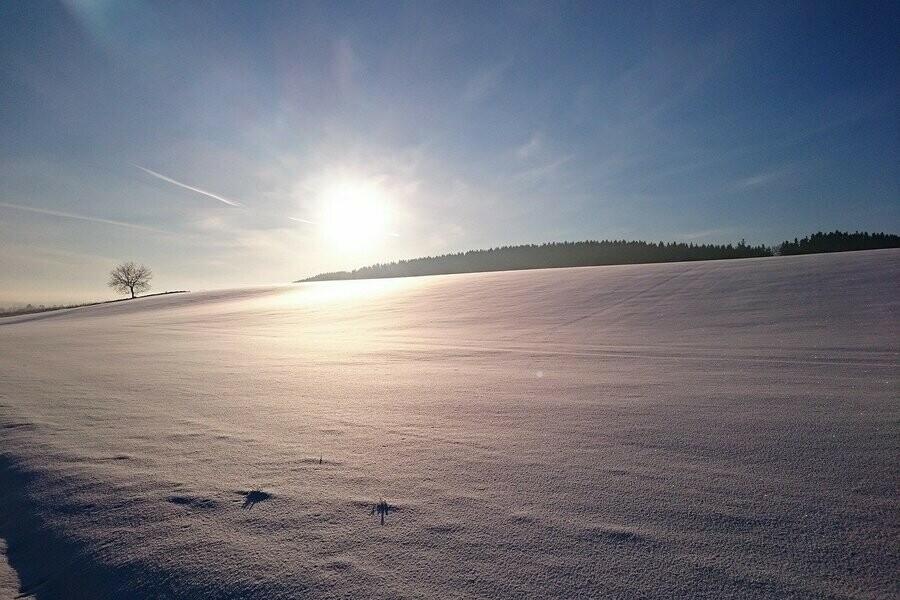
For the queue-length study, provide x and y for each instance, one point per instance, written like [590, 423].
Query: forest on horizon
[607, 252]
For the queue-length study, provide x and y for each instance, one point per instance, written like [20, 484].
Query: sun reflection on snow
[343, 292]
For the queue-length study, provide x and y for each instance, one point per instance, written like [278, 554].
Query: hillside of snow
[712, 430]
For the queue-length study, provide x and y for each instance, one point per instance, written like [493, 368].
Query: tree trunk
[132, 293]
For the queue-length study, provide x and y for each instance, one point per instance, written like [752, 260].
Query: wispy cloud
[53, 256]
[485, 81]
[187, 187]
[764, 178]
[541, 173]
[299, 220]
[66, 215]
[530, 148]
[343, 66]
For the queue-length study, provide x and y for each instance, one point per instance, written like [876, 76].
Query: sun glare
[355, 215]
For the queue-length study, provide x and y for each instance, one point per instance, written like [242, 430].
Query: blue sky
[207, 139]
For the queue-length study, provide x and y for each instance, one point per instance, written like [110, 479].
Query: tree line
[550, 255]
[839, 241]
[607, 252]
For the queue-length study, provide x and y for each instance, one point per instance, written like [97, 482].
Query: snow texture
[710, 430]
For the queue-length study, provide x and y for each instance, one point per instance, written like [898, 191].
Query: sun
[355, 215]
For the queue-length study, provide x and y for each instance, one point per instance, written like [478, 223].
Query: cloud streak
[485, 81]
[187, 187]
[65, 215]
[765, 178]
[299, 220]
[530, 148]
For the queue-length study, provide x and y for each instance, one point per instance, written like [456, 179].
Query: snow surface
[716, 429]
[9, 581]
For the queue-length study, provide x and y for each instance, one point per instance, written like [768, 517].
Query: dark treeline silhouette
[551, 255]
[615, 252]
[839, 241]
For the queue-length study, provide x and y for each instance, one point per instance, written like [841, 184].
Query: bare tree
[129, 277]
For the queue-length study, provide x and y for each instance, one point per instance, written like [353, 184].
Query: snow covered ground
[716, 429]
